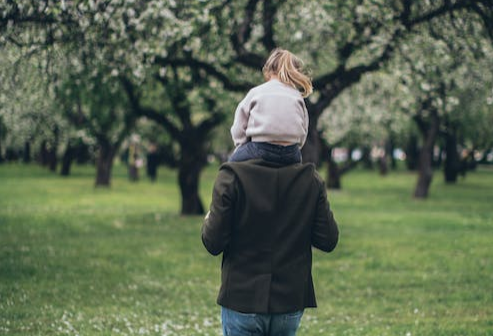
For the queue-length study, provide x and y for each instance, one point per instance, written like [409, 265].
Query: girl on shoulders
[271, 122]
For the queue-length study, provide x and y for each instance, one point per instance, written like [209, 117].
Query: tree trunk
[1, 154]
[484, 158]
[152, 164]
[189, 171]
[82, 153]
[389, 150]
[133, 170]
[67, 159]
[52, 159]
[386, 155]
[383, 167]
[27, 152]
[472, 163]
[412, 153]
[366, 158]
[43, 153]
[52, 154]
[104, 164]
[11, 155]
[333, 172]
[425, 174]
[311, 151]
[452, 165]
[334, 176]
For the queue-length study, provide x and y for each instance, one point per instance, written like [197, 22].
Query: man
[264, 218]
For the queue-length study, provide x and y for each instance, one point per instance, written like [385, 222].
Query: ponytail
[289, 69]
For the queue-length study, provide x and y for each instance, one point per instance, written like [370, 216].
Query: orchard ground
[75, 260]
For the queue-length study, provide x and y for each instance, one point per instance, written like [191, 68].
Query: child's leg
[285, 155]
[245, 152]
[293, 155]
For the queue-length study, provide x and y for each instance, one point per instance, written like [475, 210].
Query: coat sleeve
[306, 123]
[240, 123]
[216, 228]
[325, 233]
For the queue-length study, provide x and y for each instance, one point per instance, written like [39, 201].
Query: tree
[191, 136]
[104, 41]
[356, 37]
[364, 116]
[88, 44]
[27, 107]
[433, 74]
[224, 42]
[3, 131]
[99, 107]
[467, 129]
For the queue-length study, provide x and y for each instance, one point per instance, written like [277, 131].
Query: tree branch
[268, 16]
[208, 68]
[244, 29]
[242, 34]
[333, 83]
[447, 7]
[406, 13]
[487, 18]
[16, 16]
[148, 112]
[215, 119]
[176, 92]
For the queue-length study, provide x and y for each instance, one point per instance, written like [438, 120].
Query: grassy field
[75, 260]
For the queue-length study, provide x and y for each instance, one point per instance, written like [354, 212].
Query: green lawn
[75, 260]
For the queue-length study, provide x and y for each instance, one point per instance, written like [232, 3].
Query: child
[271, 122]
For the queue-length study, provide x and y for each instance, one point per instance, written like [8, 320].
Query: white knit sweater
[271, 112]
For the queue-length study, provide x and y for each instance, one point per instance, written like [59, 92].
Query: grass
[75, 260]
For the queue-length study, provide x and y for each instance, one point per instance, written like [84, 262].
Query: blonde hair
[289, 69]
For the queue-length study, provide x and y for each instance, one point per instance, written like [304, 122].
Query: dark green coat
[265, 218]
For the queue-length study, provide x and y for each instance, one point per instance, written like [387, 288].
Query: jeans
[241, 324]
[269, 152]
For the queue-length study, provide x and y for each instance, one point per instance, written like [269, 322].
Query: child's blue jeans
[269, 152]
[241, 324]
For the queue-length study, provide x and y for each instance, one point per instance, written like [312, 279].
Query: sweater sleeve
[240, 123]
[306, 123]
[216, 228]
[325, 233]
